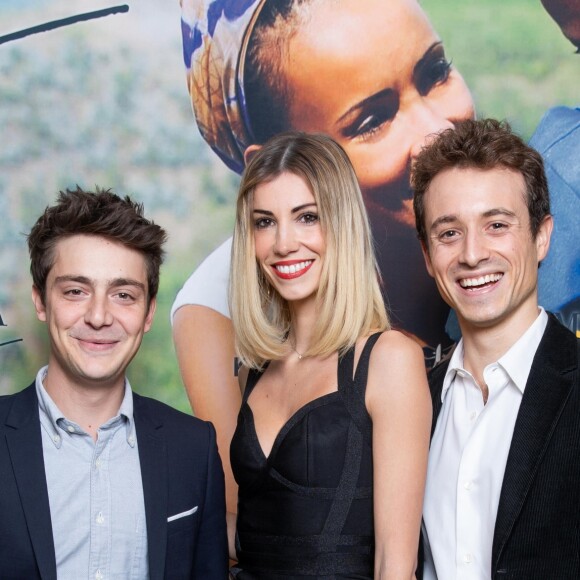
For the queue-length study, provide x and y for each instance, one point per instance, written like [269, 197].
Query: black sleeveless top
[306, 510]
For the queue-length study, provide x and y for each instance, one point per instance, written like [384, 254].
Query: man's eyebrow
[114, 283]
[451, 218]
[444, 219]
[499, 211]
[78, 279]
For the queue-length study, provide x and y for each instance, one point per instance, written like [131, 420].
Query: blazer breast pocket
[182, 521]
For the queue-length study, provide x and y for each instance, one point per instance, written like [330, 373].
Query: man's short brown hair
[99, 213]
[481, 144]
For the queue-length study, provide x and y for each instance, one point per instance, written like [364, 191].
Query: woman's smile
[290, 269]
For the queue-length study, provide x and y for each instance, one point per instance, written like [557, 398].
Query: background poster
[105, 102]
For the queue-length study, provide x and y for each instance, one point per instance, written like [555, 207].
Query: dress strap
[352, 390]
[254, 376]
[345, 492]
[362, 369]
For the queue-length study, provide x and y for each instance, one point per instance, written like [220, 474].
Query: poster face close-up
[165, 102]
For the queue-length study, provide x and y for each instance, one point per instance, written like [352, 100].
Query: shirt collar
[517, 361]
[455, 365]
[51, 417]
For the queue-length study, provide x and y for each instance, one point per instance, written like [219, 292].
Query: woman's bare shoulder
[397, 369]
[394, 345]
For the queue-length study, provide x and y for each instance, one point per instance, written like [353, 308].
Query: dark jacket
[537, 530]
[180, 468]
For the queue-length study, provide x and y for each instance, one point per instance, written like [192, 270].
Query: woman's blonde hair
[350, 303]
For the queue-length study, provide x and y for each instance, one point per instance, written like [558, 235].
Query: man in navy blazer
[95, 480]
[502, 498]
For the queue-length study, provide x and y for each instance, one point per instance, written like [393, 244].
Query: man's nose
[474, 249]
[98, 313]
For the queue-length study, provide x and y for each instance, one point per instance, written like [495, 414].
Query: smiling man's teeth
[292, 269]
[471, 282]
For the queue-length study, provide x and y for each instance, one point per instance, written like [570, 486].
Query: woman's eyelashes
[432, 70]
[307, 218]
[263, 223]
[436, 74]
[373, 115]
[376, 112]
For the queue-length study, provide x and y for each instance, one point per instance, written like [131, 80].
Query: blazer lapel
[153, 460]
[436, 377]
[24, 442]
[547, 390]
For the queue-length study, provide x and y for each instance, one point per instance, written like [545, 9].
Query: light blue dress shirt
[95, 494]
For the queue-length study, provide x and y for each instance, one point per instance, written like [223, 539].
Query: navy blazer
[180, 469]
[537, 530]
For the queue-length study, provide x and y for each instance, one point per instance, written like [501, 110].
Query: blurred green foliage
[512, 55]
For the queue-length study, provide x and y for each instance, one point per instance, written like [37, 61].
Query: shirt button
[56, 438]
[98, 575]
[131, 439]
[100, 518]
[468, 485]
[70, 429]
[472, 415]
[468, 558]
[98, 462]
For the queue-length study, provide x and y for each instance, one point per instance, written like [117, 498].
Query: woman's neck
[302, 326]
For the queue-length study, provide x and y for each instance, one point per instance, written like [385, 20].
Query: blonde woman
[330, 449]
[372, 75]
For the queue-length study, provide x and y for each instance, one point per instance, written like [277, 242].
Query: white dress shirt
[467, 460]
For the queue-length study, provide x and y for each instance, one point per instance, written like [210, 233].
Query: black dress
[306, 511]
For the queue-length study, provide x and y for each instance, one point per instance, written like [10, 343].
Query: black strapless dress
[306, 511]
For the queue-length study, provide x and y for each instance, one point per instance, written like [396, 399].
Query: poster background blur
[104, 102]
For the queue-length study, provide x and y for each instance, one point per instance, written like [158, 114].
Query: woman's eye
[309, 218]
[370, 125]
[373, 122]
[433, 73]
[376, 112]
[262, 223]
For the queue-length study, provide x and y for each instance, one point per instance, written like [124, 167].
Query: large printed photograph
[165, 102]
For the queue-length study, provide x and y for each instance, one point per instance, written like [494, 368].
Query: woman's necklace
[300, 356]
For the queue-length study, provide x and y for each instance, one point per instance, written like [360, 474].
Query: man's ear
[150, 314]
[427, 258]
[543, 236]
[38, 304]
[250, 152]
